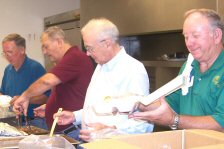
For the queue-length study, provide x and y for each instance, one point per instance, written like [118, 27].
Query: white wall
[25, 17]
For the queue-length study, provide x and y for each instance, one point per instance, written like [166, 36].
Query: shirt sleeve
[78, 117]
[218, 94]
[174, 101]
[132, 126]
[69, 67]
[138, 84]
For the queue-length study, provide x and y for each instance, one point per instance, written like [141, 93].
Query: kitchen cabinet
[220, 8]
[142, 16]
[161, 72]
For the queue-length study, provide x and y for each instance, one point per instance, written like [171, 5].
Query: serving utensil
[54, 123]
[27, 121]
[19, 121]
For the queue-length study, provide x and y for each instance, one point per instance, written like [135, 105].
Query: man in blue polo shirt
[21, 73]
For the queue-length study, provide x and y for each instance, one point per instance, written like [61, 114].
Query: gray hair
[213, 17]
[54, 32]
[19, 40]
[103, 27]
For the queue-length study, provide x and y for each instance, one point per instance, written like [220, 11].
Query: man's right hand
[65, 117]
[20, 105]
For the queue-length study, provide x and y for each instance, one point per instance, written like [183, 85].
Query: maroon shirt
[75, 71]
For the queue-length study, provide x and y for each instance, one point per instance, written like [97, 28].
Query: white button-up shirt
[120, 76]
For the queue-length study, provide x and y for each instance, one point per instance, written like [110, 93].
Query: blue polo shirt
[16, 82]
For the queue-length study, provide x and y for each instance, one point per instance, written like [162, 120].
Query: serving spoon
[54, 123]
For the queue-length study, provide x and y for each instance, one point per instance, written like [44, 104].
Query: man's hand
[159, 113]
[20, 105]
[40, 111]
[85, 134]
[65, 117]
[13, 100]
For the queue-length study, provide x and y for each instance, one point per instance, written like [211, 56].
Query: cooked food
[33, 130]
[8, 130]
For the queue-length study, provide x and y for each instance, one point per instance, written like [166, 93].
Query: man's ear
[60, 41]
[22, 50]
[107, 42]
[217, 34]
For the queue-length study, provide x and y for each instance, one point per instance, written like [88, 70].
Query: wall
[25, 17]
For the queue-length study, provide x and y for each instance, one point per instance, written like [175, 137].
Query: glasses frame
[91, 49]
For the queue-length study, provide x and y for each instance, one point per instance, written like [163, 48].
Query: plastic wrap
[105, 134]
[45, 142]
[5, 111]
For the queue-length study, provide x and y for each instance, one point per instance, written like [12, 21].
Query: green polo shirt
[206, 96]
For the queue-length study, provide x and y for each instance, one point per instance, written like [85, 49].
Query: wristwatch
[176, 121]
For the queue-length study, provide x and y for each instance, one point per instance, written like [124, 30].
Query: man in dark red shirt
[69, 78]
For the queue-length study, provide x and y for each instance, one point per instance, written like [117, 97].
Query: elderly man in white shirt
[117, 74]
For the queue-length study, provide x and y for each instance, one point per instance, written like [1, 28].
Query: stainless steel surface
[10, 120]
[73, 15]
[69, 22]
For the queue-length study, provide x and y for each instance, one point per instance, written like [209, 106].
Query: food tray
[39, 131]
[10, 142]
[33, 130]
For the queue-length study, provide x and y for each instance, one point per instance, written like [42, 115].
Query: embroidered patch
[216, 80]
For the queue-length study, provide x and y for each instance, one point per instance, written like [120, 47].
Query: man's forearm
[199, 122]
[42, 99]
[41, 85]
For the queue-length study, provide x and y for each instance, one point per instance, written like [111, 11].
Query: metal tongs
[27, 122]
[19, 121]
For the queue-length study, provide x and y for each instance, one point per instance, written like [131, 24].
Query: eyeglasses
[91, 49]
[8, 54]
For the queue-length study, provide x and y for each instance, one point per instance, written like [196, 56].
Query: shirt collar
[216, 65]
[23, 65]
[110, 65]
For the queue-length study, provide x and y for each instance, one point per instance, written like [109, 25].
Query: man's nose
[189, 42]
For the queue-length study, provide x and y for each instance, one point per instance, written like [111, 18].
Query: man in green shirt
[203, 106]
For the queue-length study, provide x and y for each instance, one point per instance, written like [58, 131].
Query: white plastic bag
[45, 142]
[105, 134]
[5, 112]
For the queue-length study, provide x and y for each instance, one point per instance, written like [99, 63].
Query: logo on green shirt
[216, 80]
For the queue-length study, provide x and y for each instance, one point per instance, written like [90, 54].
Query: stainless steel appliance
[70, 23]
